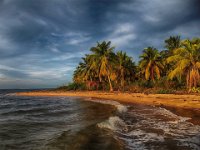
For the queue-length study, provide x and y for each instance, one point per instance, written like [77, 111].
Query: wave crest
[120, 108]
[113, 123]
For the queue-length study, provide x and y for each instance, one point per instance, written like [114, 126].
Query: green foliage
[146, 84]
[176, 67]
[195, 90]
[186, 61]
[103, 61]
[172, 43]
[105, 66]
[165, 91]
[125, 69]
[151, 64]
[73, 86]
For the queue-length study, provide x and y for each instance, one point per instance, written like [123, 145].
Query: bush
[162, 83]
[195, 90]
[134, 88]
[165, 91]
[73, 86]
[145, 84]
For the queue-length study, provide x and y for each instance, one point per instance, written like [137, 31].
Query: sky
[42, 41]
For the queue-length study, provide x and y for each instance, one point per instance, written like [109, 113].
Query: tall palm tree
[151, 63]
[79, 72]
[173, 42]
[187, 62]
[84, 72]
[125, 67]
[103, 59]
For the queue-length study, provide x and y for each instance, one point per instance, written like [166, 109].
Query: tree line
[176, 66]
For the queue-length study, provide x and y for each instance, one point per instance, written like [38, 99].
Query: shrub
[165, 91]
[73, 86]
[195, 90]
[145, 84]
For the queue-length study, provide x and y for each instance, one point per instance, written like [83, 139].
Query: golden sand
[171, 100]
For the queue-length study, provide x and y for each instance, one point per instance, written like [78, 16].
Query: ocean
[74, 123]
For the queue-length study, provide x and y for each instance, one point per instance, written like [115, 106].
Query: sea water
[73, 123]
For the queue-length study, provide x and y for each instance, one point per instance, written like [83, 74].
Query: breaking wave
[60, 122]
[120, 108]
[113, 123]
[151, 127]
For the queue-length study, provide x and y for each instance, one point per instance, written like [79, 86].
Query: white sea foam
[152, 125]
[10, 94]
[121, 108]
[136, 139]
[113, 123]
[193, 143]
[168, 113]
[134, 144]
[145, 136]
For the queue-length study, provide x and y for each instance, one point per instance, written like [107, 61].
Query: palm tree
[187, 62]
[84, 72]
[173, 42]
[79, 73]
[103, 59]
[151, 63]
[125, 67]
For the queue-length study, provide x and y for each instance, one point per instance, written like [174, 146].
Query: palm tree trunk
[100, 78]
[122, 80]
[111, 88]
[195, 77]
[190, 81]
[152, 74]
[187, 79]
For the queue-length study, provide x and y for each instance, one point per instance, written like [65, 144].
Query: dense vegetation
[177, 67]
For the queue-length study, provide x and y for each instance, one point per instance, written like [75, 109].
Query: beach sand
[172, 100]
[184, 105]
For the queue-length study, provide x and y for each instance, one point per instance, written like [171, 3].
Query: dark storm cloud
[42, 41]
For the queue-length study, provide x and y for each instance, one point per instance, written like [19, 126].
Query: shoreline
[170, 100]
[183, 105]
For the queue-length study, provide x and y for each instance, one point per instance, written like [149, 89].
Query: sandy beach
[183, 105]
[172, 100]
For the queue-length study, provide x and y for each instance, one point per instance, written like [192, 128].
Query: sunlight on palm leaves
[187, 62]
[151, 63]
[125, 68]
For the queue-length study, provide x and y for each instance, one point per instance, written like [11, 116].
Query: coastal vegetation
[176, 68]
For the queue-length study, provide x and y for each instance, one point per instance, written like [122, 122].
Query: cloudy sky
[42, 41]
